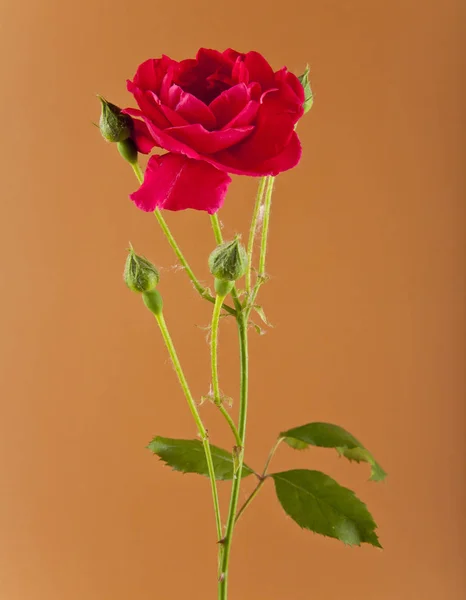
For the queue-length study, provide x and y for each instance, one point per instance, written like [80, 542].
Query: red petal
[150, 73]
[169, 143]
[192, 109]
[245, 117]
[149, 105]
[229, 104]
[289, 95]
[292, 81]
[161, 115]
[208, 142]
[232, 54]
[142, 137]
[288, 158]
[166, 84]
[186, 72]
[146, 76]
[174, 182]
[272, 133]
[210, 61]
[259, 69]
[240, 73]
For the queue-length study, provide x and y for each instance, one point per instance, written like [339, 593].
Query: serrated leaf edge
[318, 502]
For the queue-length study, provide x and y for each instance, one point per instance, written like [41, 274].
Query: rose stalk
[228, 113]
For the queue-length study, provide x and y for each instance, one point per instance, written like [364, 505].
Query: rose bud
[140, 275]
[227, 263]
[114, 125]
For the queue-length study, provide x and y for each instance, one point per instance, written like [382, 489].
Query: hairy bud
[229, 261]
[114, 125]
[140, 274]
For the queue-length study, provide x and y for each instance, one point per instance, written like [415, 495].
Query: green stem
[219, 239]
[138, 172]
[265, 225]
[263, 249]
[214, 365]
[200, 426]
[243, 408]
[177, 251]
[262, 480]
[203, 292]
[252, 231]
[251, 497]
[217, 228]
[231, 423]
[270, 456]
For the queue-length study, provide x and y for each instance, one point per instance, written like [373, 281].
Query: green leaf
[296, 444]
[317, 502]
[308, 96]
[188, 456]
[326, 435]
[362, 455]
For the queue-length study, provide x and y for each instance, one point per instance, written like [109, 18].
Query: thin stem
[253, 494]
[252, 231]
[138, 172]
[217, 228]
[214, 365]
[243, 408]
[214, 347]
[262, 479]
[203, 292]
[270, 456]
[177, 251]
[231, 423]
[250, 498]
[265, 225]
[200, 426]
[263, 249]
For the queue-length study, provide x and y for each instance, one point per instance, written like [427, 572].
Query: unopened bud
[114, 125]
[140, 274]
[229, 261]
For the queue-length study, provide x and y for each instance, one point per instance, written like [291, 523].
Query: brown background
[367, 299]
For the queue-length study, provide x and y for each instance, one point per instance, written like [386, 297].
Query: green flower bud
[114, 125]
[229, 261]
[127, 149]
[140, 275]
[153, 301]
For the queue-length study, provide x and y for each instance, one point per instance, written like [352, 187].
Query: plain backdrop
[366, 295]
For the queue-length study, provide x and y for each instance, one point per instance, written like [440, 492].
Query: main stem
[243, 407]
[197, 418]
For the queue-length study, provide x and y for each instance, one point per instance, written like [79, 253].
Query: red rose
[222, 112]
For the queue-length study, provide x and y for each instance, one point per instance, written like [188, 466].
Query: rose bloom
[222, 112]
